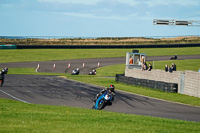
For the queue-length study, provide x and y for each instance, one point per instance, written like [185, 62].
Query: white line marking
[14, 97]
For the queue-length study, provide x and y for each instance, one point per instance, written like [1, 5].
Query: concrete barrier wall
[189, 84]
[192, 83]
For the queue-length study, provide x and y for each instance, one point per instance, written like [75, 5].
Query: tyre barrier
[158, 85]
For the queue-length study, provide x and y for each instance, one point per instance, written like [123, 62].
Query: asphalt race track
[53, 90]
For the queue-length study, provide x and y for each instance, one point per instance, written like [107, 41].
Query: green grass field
[182, 65]
[21, 117]
[26, 55]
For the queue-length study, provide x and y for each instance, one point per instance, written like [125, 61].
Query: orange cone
[69, 65]
[98, 64]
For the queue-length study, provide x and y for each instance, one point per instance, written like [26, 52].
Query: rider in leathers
[110, 89]
[3, 71]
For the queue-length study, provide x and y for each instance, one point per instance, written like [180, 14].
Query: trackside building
[187, 82]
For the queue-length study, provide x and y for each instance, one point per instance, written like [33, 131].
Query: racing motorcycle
[76, 72]
[1, 79]
[174, 57]
[1, 83]
[93, 72]
[2, 72]
[104, 100]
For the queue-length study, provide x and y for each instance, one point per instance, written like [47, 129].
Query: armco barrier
[159, 85]
[105, 46]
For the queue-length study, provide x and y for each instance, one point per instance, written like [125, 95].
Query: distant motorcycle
[174, 57]
[93, 72]
[1, 80]
[76, 72]
[2, 73]
[104, 100]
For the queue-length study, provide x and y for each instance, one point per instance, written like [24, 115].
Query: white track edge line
[13, 96]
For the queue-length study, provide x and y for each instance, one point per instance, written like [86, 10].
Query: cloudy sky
[96, 18]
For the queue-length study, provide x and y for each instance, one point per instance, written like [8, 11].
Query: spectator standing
[174, 66]
[144, 66]
[142, 59]
[166, 68]
[150, 67]
[169, 69]
[131, 60]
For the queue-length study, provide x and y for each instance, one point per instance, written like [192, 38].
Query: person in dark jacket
[173, 67]
[166, 68]
[150, 67]
[170, 69]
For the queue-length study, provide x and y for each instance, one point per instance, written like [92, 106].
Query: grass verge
[27, 55]
[182, 65]
[21, 117]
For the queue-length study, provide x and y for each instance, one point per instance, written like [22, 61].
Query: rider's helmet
[111, 88]
[2, 71]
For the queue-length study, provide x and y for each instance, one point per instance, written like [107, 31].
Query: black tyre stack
[158, 85]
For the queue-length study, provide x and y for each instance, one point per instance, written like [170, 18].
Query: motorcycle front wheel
[1, 83]
[101, 104]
